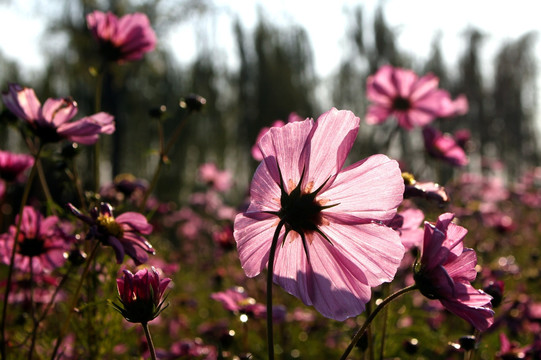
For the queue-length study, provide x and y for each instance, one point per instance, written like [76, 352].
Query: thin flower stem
[149, 341]
[32, 311]
[373, 315]
[384, 326]
[75, 298]
[270, 267]
[97, 108]
[164, 150]
[24, 199]
[45, 187]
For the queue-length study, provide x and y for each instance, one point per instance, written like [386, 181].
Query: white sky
[22, 25]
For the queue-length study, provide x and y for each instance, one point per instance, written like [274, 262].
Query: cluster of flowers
[327, 233]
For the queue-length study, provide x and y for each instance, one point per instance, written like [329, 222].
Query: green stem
[32, 311]
[384, 326]
[270, 267]
[75, 299]
[372, 316]
[149, 341]
[164, 150]
[45, 187]
[24, 199]
[97, 108]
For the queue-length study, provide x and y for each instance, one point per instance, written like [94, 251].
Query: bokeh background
[256, 62]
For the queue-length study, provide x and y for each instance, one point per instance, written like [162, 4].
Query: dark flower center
[301, 212]
[31, 247]
[400, 103]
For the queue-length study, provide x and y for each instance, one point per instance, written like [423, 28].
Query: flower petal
[334, 131]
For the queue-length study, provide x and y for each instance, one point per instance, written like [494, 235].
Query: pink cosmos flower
[13, 165]
[51, 122]
[444, 147]
[407, 223]
[334, 246]
[237, 301]
[218, 179]
[41, 243]
[122, 233]
[141, 295]
[413, 101]
[122, 39]
[256, 153]
[446, 270]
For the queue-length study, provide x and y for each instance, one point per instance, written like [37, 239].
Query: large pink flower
[40, 245]
[413, 101]
[446, 270]
[333, 246]
[122, 39]
[51, 122]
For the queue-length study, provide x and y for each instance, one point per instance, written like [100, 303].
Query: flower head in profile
[333, 246]
[51, 122]
[444, 147]
[413, 101]
[123, 233]
[40, 245]
[122, 39]
[12, 165]
[141, 295]
[446, 270]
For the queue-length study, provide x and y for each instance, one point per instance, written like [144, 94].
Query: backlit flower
[446, 270]
[413, 101]
[122, 39]
[41, 243]
[51, 122]
[123, 233]
[13, 165]
[141, 295]
[256, 153]
[333, 246]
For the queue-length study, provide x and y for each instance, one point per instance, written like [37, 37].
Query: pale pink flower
[333, 246]
[413, 101]
[444, 147]
[122, 39]
[256, 153]
[51, 122]
[446, 270]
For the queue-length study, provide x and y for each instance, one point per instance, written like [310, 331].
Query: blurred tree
[515, 101]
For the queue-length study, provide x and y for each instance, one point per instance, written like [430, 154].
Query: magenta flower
[122, 39]
[446, 270]
[444, 147]
[413, 101]
[41, 243]
[12, 165]
[51, 122]
[122, 233]
[237, 301]
[334, 246]
[141, 295]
